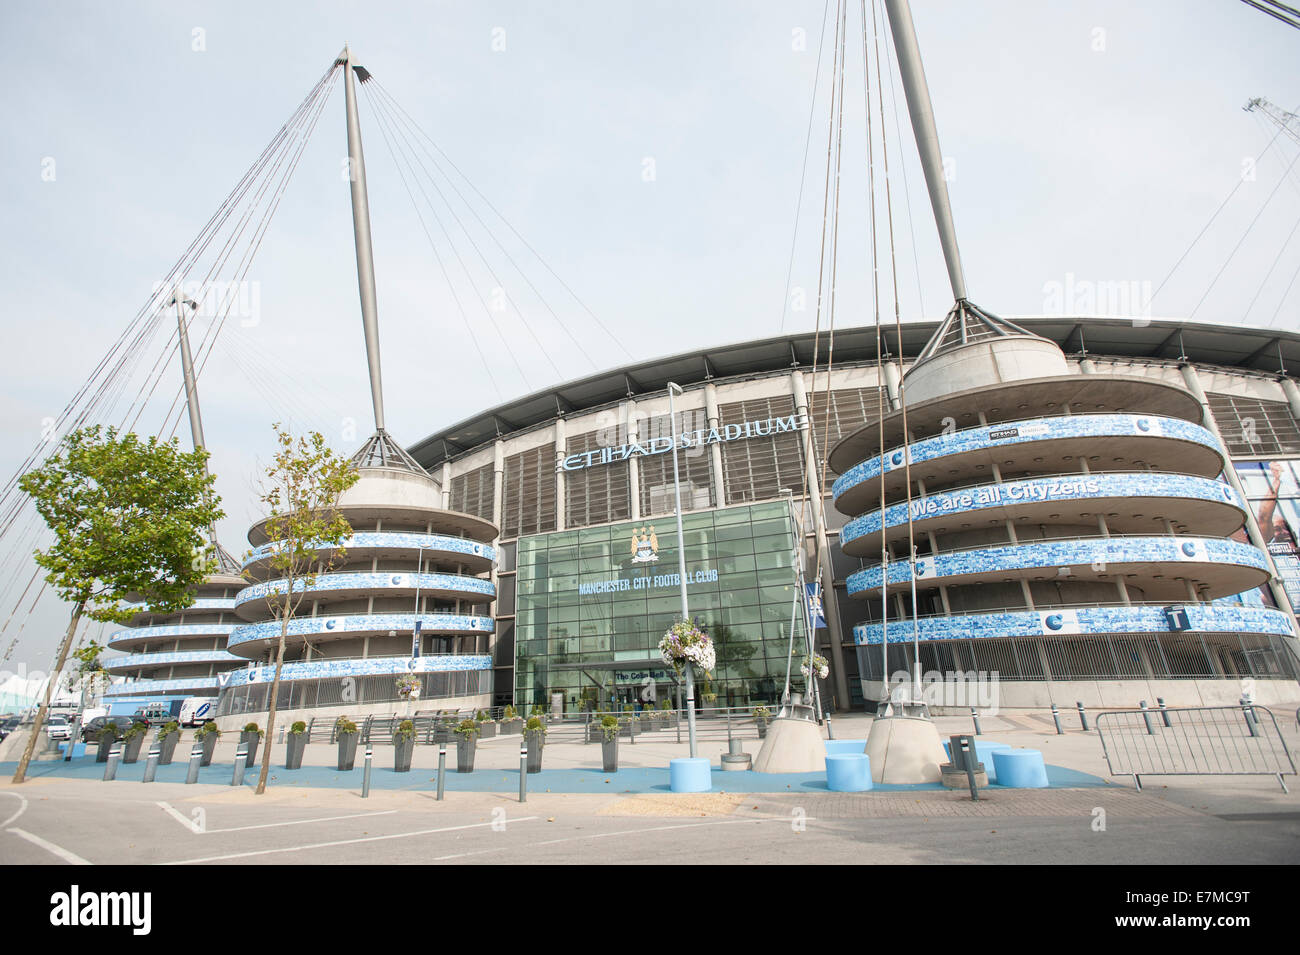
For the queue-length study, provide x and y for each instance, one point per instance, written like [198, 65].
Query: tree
[306, 532]
[128, 517]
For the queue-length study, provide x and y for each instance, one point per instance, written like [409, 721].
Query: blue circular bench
[690, 775]
[1020, 768]
[848, 772]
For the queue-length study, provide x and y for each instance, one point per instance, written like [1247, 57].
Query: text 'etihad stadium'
[687, 439]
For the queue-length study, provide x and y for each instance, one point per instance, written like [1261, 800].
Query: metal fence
[1195, 741]
[340, 691]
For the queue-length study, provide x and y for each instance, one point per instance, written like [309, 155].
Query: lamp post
[681, 565]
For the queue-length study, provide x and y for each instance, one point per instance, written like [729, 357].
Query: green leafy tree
[301, 494]
[128, 517]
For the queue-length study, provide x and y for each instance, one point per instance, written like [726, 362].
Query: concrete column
[558, 429]
[715, 450]
[1193, 382]
[498, 481]
[824, 571]
[446, 485]
[632, 434]
[891, 385]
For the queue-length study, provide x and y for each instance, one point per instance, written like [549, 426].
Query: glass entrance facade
[594, 603]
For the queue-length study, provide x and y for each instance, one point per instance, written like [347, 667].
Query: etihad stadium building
[1103, 510]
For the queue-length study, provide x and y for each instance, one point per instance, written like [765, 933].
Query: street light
[681, 564]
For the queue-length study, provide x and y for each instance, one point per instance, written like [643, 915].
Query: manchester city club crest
[645, 545]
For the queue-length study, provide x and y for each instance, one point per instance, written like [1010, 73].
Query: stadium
[1113, 519]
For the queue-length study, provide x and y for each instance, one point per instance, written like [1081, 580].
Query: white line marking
[605, 835]
[64, 854]
[344, 842]
[180, 817]
[21, 809]
[300, 822]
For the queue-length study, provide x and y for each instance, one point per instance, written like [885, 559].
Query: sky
[651, 155]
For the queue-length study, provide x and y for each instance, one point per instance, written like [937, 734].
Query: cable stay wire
[422, 134]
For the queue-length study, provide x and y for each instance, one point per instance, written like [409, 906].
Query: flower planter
[403, 749]
[762, 729]
[106, 743]
[609, 754]
[487, 730]
[511, 727]
[347, 751]
[594, 733]
[248, 741]
[209, 748]
[131, 748]
[167, 747]
[535, 753]
[465, 754]
[296, 745]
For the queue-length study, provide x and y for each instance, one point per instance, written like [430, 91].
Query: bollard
[365, 776]
[241, 757]
[1083, 717]
[151, 765]
[523, 772]
[282, 734]
[110, 768]
[442, 768]
[1246, 708]
[1146, 715]
[968, 759]
[196, 756]
[728, 725]
[1056, 718]
[975, 717]
[830, 733]
[1164, 712]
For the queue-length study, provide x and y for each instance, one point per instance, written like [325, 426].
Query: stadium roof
[1234, 346]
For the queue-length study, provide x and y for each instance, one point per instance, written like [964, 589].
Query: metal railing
[1241, 740]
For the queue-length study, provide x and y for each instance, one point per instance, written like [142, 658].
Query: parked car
[91, 730]
[58, 727]
[155, 714]
[9, 725]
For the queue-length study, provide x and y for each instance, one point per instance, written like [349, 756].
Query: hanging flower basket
[686, 643]
[408, 687]
[815, 666]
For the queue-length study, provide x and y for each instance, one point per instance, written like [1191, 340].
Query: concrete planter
[403, 749]
[296, 745]
[609, 754]
[131, 748]
[209, 748]
[249, 742]
[487, 730]
[465, 754]
[535, 753]
[106, 741]
[167, 747]
[347, 751]
[762, 728]
[512, 727]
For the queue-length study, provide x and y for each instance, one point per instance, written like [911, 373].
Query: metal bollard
[1056, 718]
[151, 765]
[241, 757]
[1083, 716]
[110, 768]
[1146, 715]
[830, 733]
[365, 776]
[968, 760]
[523, 772]
[975, 717]
[1164, 711]
[1247, 708]
[442, 768]
[196, 756]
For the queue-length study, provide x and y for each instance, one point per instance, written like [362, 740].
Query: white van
[196, 710]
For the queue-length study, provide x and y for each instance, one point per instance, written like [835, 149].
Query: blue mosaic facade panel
[142, 687]
[338, 669]
[1021, 432]
[1207, 618]
[1066, 553]
[173, 630]
[177, 656]
[364, 623]
[1082, 487]
[397, 540]
[470, 586]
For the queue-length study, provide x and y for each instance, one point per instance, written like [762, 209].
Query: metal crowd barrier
[1241, 740]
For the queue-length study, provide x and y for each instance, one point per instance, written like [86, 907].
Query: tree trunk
[275, 695]
[20, 774]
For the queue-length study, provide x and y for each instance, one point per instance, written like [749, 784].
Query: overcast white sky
[1092, 139]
